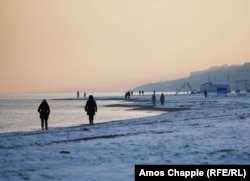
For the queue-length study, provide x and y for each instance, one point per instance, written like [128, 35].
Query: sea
[18, 112]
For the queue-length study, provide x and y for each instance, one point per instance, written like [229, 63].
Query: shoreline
[146, 106]
[149, 107]
[133, 104]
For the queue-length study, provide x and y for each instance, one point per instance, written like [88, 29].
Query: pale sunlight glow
[116, 45]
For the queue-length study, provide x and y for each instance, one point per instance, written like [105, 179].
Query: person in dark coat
[154, 99]
[162, 99]
[44, 111]
[91, 109]
[205, 94]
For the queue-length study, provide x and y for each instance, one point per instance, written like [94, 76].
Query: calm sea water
[18, 113]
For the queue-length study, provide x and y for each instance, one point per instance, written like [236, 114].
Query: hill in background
[222, 73]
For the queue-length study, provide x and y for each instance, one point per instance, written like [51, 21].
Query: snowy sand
[208, 131]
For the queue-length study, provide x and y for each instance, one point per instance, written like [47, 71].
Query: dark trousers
[44, 122]
[91, 119]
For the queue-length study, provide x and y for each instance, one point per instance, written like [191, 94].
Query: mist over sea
[18, 113]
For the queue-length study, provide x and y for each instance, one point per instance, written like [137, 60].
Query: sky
[116, 45]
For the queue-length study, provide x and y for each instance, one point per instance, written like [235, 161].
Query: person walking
[162, 99]
[205, 94]
[154, 98]
[91, 109]
[44, 111]
[78, 94]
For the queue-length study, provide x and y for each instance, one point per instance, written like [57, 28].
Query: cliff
[222, 73]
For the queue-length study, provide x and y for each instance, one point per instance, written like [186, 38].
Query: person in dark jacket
[205, 94]
[44, 111]
[162, 99]
[91, 109]
[154, 99]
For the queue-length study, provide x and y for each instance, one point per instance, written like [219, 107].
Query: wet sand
[143, 104]
[148, 107]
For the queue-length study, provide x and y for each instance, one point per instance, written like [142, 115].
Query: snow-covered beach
[195, 130]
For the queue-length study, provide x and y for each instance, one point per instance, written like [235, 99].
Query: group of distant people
[127, 95]
[78, 94]
[162, 99]
[44, 111]
[141, 92]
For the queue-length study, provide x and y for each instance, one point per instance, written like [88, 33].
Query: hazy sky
[116, 45]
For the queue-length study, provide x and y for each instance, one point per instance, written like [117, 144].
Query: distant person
[205, 94]
[127, 95]
[78, 94]
[84, 95]
[162, 99]
[91, 109]
[44, 111]
[154, 98]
